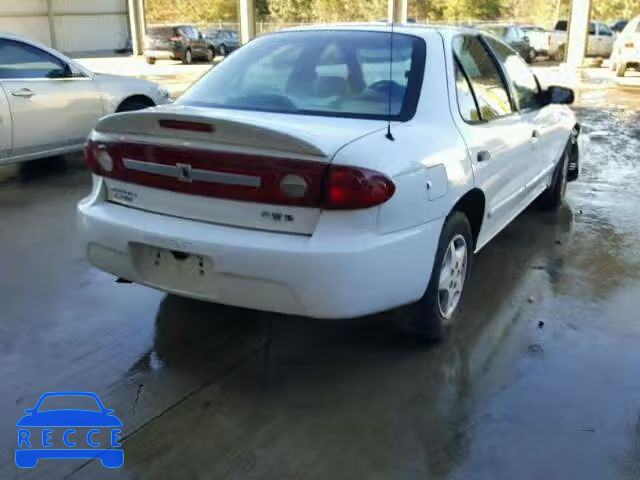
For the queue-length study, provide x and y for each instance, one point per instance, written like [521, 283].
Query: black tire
[133, 104]
[188, 57]
[222, 49]
[425, 319]
[621, 69]
[531, 56]
[558, 56]
[552, 197]
[151, 60]
[211, 54]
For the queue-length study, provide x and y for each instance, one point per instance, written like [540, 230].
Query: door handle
[23, 92]
[535, 136]
[484, 156]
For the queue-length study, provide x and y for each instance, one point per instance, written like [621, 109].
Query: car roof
[418, 29]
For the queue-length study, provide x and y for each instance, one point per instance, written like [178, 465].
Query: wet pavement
[538, 381]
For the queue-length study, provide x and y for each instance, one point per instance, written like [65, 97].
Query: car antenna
[389, 135]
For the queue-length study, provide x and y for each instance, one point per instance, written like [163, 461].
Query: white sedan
[49, 103]
[626, 50]
[310, 174]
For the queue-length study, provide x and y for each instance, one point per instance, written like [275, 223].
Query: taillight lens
[277, 181]
[352, 188]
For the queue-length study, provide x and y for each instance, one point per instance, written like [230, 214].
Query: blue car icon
[29, 451]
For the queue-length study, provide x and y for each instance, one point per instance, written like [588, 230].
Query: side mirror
[558, 95]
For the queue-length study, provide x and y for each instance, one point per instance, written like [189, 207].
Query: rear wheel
[223, 50]
[188, 57]
[531, 56]
[132, 104]
[431, 317]
[621, 69]
[151, 60]
[211, 54]
[559, 54]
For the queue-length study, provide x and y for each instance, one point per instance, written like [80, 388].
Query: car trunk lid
[263, 171]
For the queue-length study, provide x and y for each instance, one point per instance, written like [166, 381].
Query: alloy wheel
[453, 273]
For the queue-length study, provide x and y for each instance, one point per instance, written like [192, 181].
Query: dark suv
[179, 42]
[514, 36]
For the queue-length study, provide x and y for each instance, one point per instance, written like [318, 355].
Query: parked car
[538, 38]
[49, 103]
[599, 42]
[223, 41]
[515, 37]
[626, 50]
[307, 175]
[176, 42]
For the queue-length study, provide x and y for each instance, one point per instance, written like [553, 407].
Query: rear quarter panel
[427, 160]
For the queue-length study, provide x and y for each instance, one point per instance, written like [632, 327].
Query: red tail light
[182, 125]
[350, 188]
[235, 176]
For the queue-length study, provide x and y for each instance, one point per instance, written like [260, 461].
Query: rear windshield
[161, 31]
[330, 73]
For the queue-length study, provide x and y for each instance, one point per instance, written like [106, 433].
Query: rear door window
[486, 80]
[466, 100]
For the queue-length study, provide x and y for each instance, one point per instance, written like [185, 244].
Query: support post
[397, 11]
[247, 20]
[578, 32]
[52, 24]
[137, 25]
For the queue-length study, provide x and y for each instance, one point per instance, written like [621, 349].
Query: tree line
[543, 12]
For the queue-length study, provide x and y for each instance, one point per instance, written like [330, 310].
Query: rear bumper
[164, 54]
[630, 57]
[331, 277]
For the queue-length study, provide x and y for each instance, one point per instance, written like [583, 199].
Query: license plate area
[174, 269]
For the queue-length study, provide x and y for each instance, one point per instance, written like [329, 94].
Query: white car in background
[626, 50]
[49, 103]
[599, 41]
[307, 174]
[539, 38]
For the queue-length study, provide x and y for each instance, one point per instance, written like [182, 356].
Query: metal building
[69, 25]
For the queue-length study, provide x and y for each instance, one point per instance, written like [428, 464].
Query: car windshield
[67, 402]
[331, 73]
